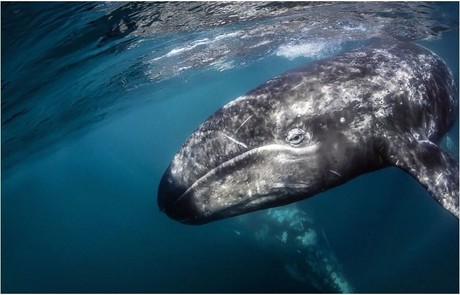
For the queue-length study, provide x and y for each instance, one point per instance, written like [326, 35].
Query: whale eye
[296, 136]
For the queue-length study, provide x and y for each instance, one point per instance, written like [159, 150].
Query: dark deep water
[98, 97]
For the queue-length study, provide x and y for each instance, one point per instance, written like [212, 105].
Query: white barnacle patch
[342, 120]
[284, 237]
[360, 126]
[300, 107]
[308, 238]
[425, 62]
[282, 214]
[176, 168]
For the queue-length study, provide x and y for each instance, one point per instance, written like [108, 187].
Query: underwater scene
[100, 106]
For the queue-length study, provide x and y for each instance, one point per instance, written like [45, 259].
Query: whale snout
[171, 201]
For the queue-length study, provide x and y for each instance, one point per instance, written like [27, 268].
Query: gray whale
[290, 233]
[317, 127]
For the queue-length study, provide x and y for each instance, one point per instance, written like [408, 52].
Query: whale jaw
[260, 178]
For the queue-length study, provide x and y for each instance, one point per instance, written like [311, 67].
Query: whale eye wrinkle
[295, 136]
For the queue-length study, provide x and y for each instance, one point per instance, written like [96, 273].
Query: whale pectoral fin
[435, 169]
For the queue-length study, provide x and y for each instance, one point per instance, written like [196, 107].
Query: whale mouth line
[270, 148]
[216, 214]
[261, 198]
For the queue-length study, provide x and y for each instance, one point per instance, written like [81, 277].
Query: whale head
[265, 149]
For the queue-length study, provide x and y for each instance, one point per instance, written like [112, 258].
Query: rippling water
[98, 96]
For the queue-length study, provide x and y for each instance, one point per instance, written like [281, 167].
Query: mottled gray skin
[316, 127]
[290, 234]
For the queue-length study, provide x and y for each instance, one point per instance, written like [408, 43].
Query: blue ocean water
[96, 99]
